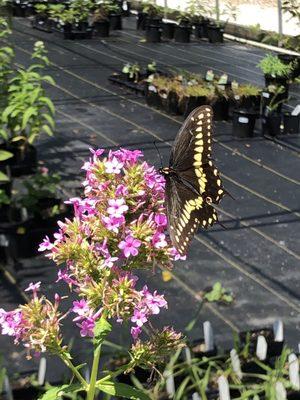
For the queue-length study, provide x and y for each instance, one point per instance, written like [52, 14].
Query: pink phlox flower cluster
[130, 246]
[150, 304]
[86, 318]
[11, 323]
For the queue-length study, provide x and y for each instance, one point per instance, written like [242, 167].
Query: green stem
[72, 367]
[94, 374]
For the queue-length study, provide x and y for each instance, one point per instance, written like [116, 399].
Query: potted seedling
[196, 9]
[28, 114]
[182, 29]
[41, 19]
[6, 60]
[276, 72]
[271, 119]
[291, 121]
[167, 28]
[243, 122]
[151, 68]
[40, 205]
[115, 15]
[245, 96]
[197, 95]
[22, 8]
[100, 21]
[153, 33]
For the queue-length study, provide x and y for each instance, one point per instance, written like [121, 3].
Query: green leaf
[5, 155]
[55, 393]
[3, 177]
[102, 329]
[27, 115]
[122, 390]
[47, 129]
[17, 138]
[49, 103]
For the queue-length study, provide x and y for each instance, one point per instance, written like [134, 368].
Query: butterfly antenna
[160, 157]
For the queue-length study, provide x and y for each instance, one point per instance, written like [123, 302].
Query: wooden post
[279, 7]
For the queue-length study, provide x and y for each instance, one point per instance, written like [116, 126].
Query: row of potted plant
[27, 206]
[150, 19]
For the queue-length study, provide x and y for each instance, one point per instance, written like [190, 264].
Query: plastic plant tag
[164, 95]
[223, 79]
[243, 120]
[152, 88]
[196, 396]
[125, 6]
[234, 85]
[237, 97]
[278, 331]
[236, 364]
[209, 75]
[296, 110]
[266, 95]
[170, 384]
[223, 388]
[280, 391]
[261, 348]
[208, 336]
[42, 371]
[3, 241]
[7, 389]
[87, 374]
[294, 371]
[187, 354]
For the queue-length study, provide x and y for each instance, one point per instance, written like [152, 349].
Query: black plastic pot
[153, 34]
[221, 109]
[153, 21]
[76, 33]
[22, 9]
[271, 124]
[182, 34]
[291, 123]
[274, 348]
[287, 59]
[153, 99]
[192, 102]
[141, 21]
[243, 123]
[215, 34]
[42, 24]
[168, 29]
[24, 160]
[101, 28]
[267, 97]
[115, 22]
[247, 103]
[170, 104]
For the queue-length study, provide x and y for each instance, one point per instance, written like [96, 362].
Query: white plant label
[3, 241]
[280, 391]
[196, 396]
[125, 6]
[236, 364]
[170, 384]
[223, 385]
[42, 371]
[243, 120]
[266, 94]
[294, 371]
[296, 110]
[152, 88]
[278, 331]
[208, 336]
[164, 95]
[261, 348]
[188, 356]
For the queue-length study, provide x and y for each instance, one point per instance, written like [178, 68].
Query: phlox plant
[118, 228]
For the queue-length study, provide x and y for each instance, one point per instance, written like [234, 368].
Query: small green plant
[196, 9]
[152, 67]
[6, 58]
[246, 90]
[4, 200]
[39, 186]
[276, 100]
[132, 70]
[218, 294]
[271, 65]
[152, 9]
[29, 111]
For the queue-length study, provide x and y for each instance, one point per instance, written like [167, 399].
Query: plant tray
[139, 87]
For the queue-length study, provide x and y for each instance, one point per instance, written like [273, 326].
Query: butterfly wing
[186, 211]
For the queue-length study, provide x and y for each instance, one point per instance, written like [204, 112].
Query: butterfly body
[193, 183]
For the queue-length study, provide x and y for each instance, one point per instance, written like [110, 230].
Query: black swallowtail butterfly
[193, 183]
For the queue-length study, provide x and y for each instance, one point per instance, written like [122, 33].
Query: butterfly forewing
[195, 183]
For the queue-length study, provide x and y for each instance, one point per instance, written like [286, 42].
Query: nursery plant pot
[24, 160]
[153, 21]
[266, 98]
[291, 123]
[271, 124]
[287, 59]
[141, 21]
[168, 29]
[71, 32]
[115, 22]
[193, 102]
[170, 104]
[153, 34]
[215, 34]
[153, 99]
[246, 102]
[125, 7]
[221, 109]
[243, 123]
[182, 34]
[101, 28]
[274, 348]
[201, 29]
[22, 9]
[42, 24]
